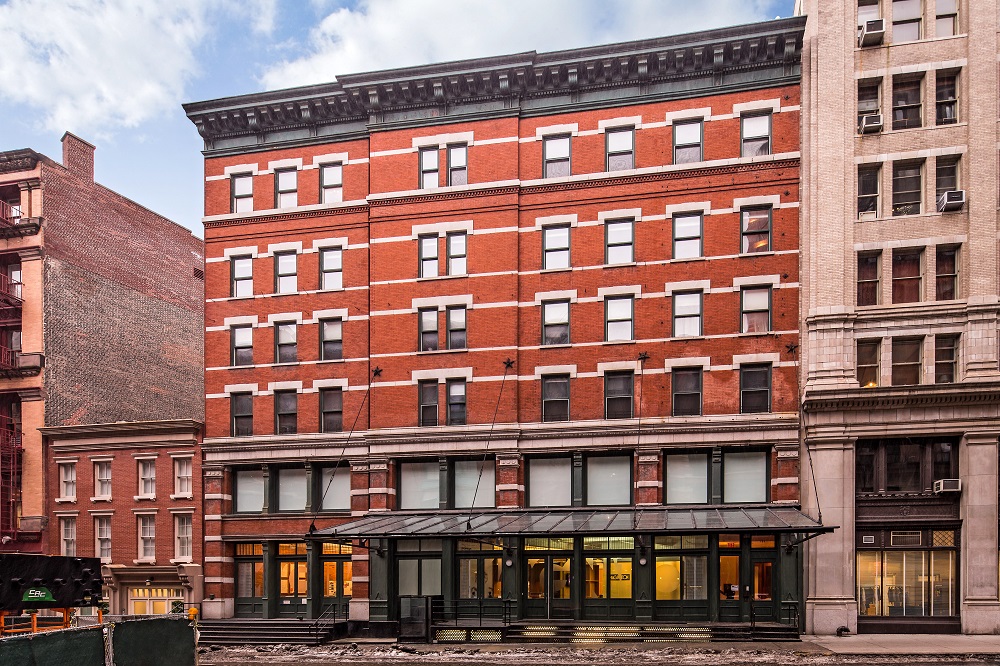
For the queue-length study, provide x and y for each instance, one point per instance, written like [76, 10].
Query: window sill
[330, 291]
[431, 352]
[285, 364]
[102, 498]
[629, 264]
[618, 342]
[144, 561]
[441, 277]
[330, 360]
[65, 500]
[566, 345]
[185, 496]
[756, 334]
[568, 269]
[181, 560]
[105, 560]
[682, 338]
[750, 255]
[146, 498]
[688, 259]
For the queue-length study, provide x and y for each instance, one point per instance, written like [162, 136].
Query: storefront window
[335, 492]
[905, 465]
[419, 485]
[609, 480]
[249, 491]
[729, 577]
[550, 482]
[908, 582]
[681, 576]
[687, 478]
[479, 577]
[475, 479]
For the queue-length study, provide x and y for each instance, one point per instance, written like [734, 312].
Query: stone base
[825, 615]
[357, 611]
[981, 617]
[217, 609]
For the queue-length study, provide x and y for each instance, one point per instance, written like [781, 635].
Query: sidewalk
[898, 644]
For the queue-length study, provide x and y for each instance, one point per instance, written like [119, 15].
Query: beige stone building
[901, 389]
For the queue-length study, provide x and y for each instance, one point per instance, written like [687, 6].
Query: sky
[115, 72]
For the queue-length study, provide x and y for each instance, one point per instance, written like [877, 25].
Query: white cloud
[381, 34]
[261, 14]
[93, 65]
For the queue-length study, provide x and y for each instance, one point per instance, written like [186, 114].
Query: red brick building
[621, 224]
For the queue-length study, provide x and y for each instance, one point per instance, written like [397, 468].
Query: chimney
[78, 156]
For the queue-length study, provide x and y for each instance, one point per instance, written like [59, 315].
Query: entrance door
[548, 589]
[249, 580]
[730, 588]
[337, 586]
[608, 588]
[763, 588]
[293, 588]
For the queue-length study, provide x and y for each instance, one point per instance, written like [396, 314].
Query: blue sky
[115, 72]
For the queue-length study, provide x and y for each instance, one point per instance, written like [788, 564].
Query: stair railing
[325, 619]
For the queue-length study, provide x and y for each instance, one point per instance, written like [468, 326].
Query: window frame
[236, 199]
[870, 371]
[546, 324]
[744, 138]
[183, 543]
[865, 106]
[745, 312]
[331, 192]
[292, 286]
[675, 317]
[627, 375]
[918, 21]
[608, 321]
[336, 350]
[102, 537]
[947, 15]
[456, 401]
[700, 122]
[67, 536]
[425, 261]
[901, 206]
[67, 481]
[745, 372]
[280, 192]
[99, 480]
[875, 450]
[947, 171]
[179, 484]
[901, 283]
[675, 393]
[286, 421]
[236, 282]
[869, 202]
[428, 339]
[236, 347]
[547, 141]
[425, 172]
[280, 347]
[609, 155]
[942, 105]
[946, 369]
[324, 393]
[424, 390]
[234, 416]
[453, 330]
[942, 278]
[146, 537]
[548, 381]
[146, 477]
[863, 282]
[552, 251]
[899, 366]
[454, 257]
[907, 115]
[610, 247]
[682, 239]
[455, 170]
[746, 233]
[336, 274]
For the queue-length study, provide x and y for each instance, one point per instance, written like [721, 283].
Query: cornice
[901, 397]
[24, 159]
[121, 427]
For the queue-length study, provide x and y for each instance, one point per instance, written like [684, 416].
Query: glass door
[763, 577]
[293, 580]
[730, 580]
[548, 590]
[249, 580]
[337, 585]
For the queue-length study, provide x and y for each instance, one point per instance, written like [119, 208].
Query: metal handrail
[10, 287]
[9, 215]
[326, 618]
[444, 611]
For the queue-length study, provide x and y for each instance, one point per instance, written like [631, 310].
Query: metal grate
[905, 538]
[450, 635]
[199, 273]
[943, 538]
[485, 635]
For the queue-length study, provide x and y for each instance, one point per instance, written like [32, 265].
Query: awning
[571, 522]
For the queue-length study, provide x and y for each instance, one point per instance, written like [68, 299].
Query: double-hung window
[946, 20]
[907, 187]
[67, 481]
[755, 309]
[331, 341]
[618, 242]
[428, 329]
[868, 362]
[945, 358]
[906, 18]
[428, 256]
[618, 395]
[183, 524]
[331, 407]
[182, 477]
[286, 412]
[555, 398]
[869, 99]
[102, 537]
[868, 10]
[241, 413]
[756, 230]
[147, 537]
[555, 156]
[687, 142]
[147, 478]
[907, 278]
[455, 317]
[242, 277]
[242, 192]
[869, 269]
[947, 97]
[555, 247]
[428, 394]
[331, 182]
[618, 318]
[458, 166]
[755, 389]
[331, 267]
[242, 342]
[945, 176]
[947, 273]
[457, 252]
[286, 279]
[102, 479]
[455, 389]
[286, 188]
[906, 103]
[620, 148]
[687, 236]
[67, 528]
[687, 313]
[756, 135]
[686, 391]
[906, 361]
[428, 167]
[555, 323]
[868, 189]
[286, 342]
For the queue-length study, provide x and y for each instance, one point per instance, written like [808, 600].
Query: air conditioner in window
[872, 33]
[870, 124]
[951, 200]
[868, 215]
[948, 486]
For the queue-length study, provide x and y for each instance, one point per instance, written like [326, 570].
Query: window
[555, 247]
[620, 148]
[744, 476]
[618, 395]
[286, 188]
[285, 278]
[456, 327]
[906, 103]
[555, 323]
[618, 239]
[336, 489]
[755, 389]
[285, 343]
[331, 339]
[102, 537]
[182, 477]
[292, 489]
[242, 192]
[331, 407]
[250, 490]
[869, 103]
[555, 156]
[67, 481]
[475, 479]
[947, 273]
[906, 188]
[286, 407]
[242, 277]
[458, 171]
[947, 97]
[428, 402]
[755, 308]
[609, 480]
[686, 391]
[242, 341]
[456, 401]
[687, 314]
[102, 479]
[456, 253]
[618, 318]
[756, 230]
[331, 182]
[331, 266]
[147, 537]
[687, 478]
[756, 133]
[428, 167]
[550, 482]
[868, 189]
[428, 256]
[945, 358]
[182, 536]
[906, 15]
[147, 478]
[241, 411]
[917, 569]
[67, 528]
[687, 142]
[867, 10]
[946, 176]
[687, 236]
[868, 362]
[428, 329]
[909, 465]
[906, 276]
[555, 398]
[869, 270]
[906, 361]
[946, 23]
[419, 485]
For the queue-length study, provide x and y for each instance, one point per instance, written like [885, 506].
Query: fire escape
[10, 480]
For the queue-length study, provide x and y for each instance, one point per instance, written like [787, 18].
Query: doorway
[548, 587]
